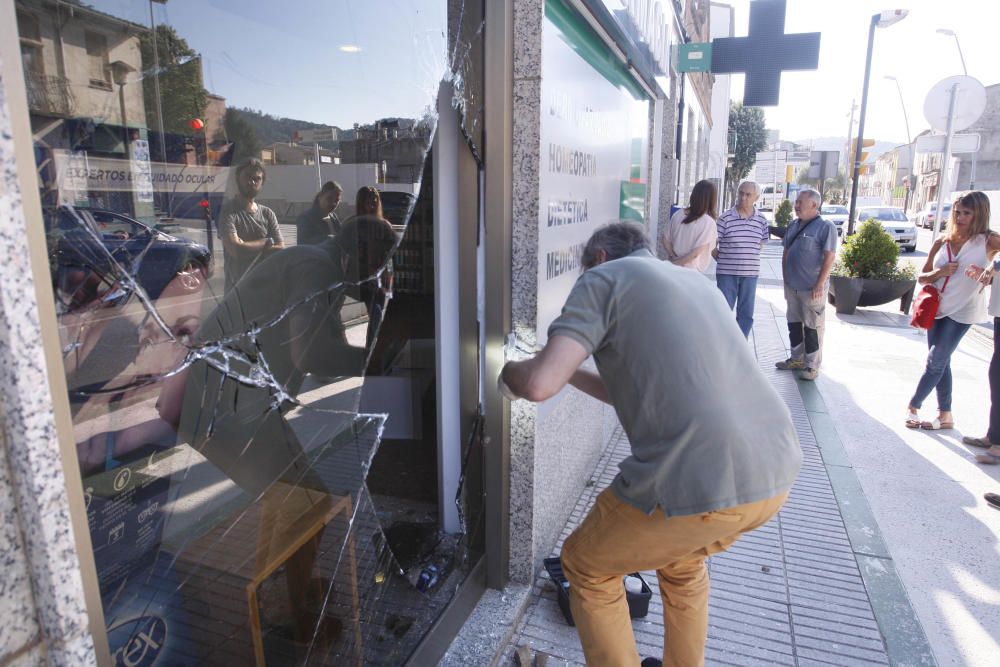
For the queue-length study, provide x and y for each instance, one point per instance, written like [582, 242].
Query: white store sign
[593, 152]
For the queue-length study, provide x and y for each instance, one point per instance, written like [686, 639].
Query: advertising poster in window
[594, 130]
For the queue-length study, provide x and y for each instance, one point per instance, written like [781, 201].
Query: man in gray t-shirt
[714, 451]
[810, 249]
[249, 231]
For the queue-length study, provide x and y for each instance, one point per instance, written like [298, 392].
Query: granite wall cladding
[17, 603]
[554, 450]
[40, 570]
[569, 441]
[528, 15]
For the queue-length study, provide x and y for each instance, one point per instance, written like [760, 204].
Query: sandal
[988, 459]
[912, 419]
[936, 425]
[976, 442]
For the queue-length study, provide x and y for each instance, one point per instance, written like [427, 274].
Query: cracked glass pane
[466, 32]
[239, 221]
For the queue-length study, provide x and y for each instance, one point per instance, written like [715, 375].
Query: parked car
[895, 222]
[90, 249]
[836, 214]
[925, 218]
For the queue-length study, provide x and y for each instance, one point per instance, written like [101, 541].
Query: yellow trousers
[616, 539]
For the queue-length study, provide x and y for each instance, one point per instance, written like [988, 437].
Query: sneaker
[652, 662]
[790, 365]
[809, 374]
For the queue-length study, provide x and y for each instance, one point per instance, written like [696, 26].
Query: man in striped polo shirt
[742, 233]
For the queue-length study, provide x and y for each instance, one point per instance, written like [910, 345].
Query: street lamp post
[909, 142]
[882, 20]
[965, 70]
[951, 33]
[119, 74]
[156, 80]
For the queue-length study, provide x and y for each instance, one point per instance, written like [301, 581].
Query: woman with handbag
[967, 242]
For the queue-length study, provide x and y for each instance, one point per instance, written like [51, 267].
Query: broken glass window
[240, 235]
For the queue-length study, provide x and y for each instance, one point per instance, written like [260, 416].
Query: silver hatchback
[895, 222]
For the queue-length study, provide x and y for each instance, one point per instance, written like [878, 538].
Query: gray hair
[616, 239]
[812, 194]
[754, 184]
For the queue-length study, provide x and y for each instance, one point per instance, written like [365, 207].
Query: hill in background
[269, 129]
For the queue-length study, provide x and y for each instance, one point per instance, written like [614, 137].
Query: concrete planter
[849, 293]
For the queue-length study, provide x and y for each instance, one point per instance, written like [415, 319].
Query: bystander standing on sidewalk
[810, 247]
[249, 231]
[689, 238]
[742, 232]
[320, 222]
[991, 442]
[967, 243]
[719, 461]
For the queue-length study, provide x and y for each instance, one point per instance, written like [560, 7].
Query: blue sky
[284, 58]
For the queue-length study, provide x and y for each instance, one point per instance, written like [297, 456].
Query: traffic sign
[970, 106]
[960, 143]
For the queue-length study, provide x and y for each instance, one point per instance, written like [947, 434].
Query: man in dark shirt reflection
[280, 322]
[320, 222]
[285, 316]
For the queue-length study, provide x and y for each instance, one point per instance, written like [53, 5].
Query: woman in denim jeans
[968, 242]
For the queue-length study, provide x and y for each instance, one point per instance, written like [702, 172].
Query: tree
[182, 96]
[747, 137]
[783, 215]
[834, 188]
[241, 135]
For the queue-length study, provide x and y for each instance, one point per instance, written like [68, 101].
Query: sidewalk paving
[817, 585]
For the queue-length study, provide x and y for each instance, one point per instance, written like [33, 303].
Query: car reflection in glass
[89, 249]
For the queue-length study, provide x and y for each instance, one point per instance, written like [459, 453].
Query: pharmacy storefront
[249, 415]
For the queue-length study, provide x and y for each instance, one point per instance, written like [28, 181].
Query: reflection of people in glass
[320, 221]
[294, 298]
[375, 295]
[248, 230]
[280, 322]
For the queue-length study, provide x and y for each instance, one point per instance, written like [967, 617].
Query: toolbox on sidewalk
[638, 603]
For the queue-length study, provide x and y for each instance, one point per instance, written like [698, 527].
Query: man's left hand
[818, 292]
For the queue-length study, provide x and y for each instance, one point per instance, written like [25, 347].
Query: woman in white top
[691, 234]
[967, 243]
[991, 442]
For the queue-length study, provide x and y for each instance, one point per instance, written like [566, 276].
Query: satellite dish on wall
[968, 108]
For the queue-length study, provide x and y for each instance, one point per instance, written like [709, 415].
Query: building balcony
[49, 95]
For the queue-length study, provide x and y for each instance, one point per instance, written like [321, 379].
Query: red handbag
[925, 304]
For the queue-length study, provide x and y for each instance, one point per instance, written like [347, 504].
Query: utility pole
[847, 148]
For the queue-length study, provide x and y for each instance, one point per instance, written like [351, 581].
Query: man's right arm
[545, 374]
[231, 238]
[590, 383]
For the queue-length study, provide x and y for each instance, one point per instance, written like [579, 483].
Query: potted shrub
[866, 274]
[782, 217]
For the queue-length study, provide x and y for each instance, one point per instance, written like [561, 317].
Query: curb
[905, 640]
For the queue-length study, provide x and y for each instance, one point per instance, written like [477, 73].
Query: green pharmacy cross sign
[764, 53]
